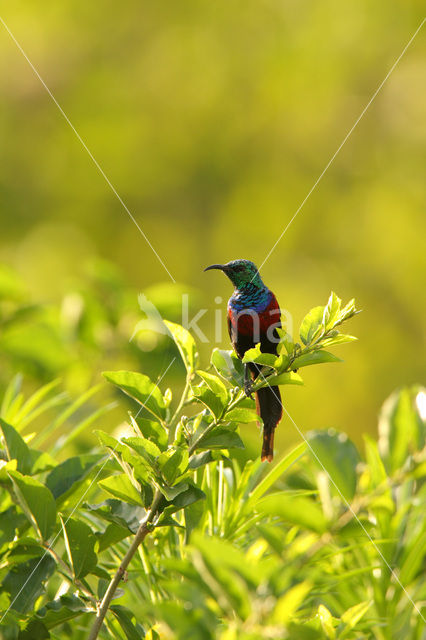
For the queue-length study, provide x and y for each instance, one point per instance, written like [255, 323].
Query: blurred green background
[213, 121]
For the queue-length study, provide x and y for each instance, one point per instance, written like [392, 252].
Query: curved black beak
[215, 266]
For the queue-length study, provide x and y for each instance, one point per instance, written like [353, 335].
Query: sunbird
[253, 317]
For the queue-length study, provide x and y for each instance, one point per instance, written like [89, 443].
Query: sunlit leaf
[311, 324]
[275, 473]
[215, 384]
[354, 614]
[295, 510]
[241, 414]
[315, 357]
[326, 620]
[151, 430]
[340, 338]
[229, 366]
[175, 466]
[185, 343]
[209, 398]
[255, 355]
[119, 486]
[221, 438]
[289, 377]
[401, 428]
[140, 388]
[16, 448]
[331, 311]
[145, 448]
[288, 604]
[36, 501]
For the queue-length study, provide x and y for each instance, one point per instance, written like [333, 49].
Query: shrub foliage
[164, 532]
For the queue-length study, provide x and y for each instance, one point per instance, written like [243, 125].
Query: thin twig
[141, 533]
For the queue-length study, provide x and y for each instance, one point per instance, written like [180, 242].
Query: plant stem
[140, 535]
[241, 395]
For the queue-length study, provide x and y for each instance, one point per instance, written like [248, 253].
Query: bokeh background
[212, 121]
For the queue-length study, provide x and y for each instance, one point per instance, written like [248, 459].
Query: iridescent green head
[240, 273]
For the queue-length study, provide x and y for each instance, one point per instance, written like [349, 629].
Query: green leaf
[128, 622]
[311, 324]
[34, 630]
[316, 357]
[22, 550]
[331, 311]
[121, 487]
[113, 533]
[215, 385]
[140, 388]
[256, 355]
[184, 499]
[339, 338]
[193, 514]
[12, 396]
[207, 397]
[251, 354]
[151, 430]
[335, 453]
[175, 466]
[289, 377]
[240, 414]
[185, 343]
[80, 545]
[297, 510]
[326, 620]
[61, 610]
[353, 615]
[221, 438]
[170, 493]
[119, 513]
[16, 448]
[67, 476]
[286, 340]
[230, 568]
[200, 459]
[145, 448]
[167, 521]
[37, 502]
[401, 428]
[112, 443]
[10, 519]
[412, 562]
[287, 605]
[25, 582]
[229, 366]
[275, 473]
[347, 312]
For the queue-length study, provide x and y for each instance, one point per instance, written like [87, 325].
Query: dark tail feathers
[269, 407]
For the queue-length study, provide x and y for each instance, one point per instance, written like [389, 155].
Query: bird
[253, 316]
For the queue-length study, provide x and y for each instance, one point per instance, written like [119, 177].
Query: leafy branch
[326, 542]
[160, 460]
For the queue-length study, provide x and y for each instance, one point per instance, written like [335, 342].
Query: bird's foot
[248, 388]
